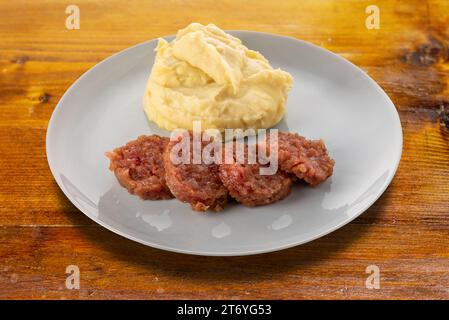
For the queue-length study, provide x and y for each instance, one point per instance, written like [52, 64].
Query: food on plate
[208, 75]
[246, 185]
[196, 184]
[139, 167]
[306, 159]
[154, 168]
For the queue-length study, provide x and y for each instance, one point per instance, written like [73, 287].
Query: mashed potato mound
[208, 75]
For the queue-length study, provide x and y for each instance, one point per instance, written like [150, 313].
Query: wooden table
[405, 233]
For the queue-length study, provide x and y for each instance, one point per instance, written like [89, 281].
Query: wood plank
[405, 233]
[105, 260]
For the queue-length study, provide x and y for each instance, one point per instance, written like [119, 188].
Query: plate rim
[387, 182]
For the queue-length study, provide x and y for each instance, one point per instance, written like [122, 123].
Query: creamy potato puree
[206, 74]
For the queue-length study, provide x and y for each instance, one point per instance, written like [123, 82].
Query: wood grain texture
[405, 233]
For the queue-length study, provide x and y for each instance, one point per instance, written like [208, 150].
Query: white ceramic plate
[330, 99]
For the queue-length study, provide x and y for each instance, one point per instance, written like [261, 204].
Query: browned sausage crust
[139, 167]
